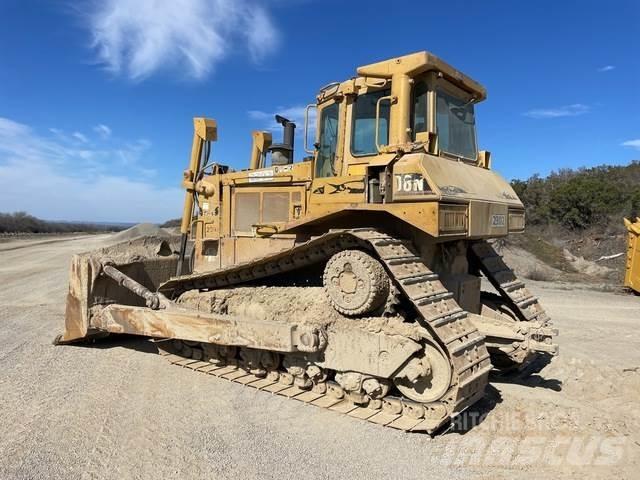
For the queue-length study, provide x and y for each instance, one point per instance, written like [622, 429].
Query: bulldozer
[632, 264]
[357, 276]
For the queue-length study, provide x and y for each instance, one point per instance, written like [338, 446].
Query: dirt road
[118, 410]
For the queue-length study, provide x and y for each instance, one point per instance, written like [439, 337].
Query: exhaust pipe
[282, 153]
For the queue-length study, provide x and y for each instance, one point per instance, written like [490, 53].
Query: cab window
[419, 117]
[456, 125]
[328, 141]
[363, 138]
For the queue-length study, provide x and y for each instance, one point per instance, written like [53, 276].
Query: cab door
[329, 186]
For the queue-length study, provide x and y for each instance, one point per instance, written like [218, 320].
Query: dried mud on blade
[149, 261]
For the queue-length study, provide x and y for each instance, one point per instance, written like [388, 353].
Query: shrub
[22, 222]
[579, 199]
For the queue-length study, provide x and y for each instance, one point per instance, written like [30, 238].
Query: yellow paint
[632, 273]
[416, 185]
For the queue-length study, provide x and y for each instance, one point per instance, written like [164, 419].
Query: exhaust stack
[282, 153]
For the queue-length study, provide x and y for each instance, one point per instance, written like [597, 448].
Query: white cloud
[49, 177]
[564, 111]
[102, 130]
[294, 113]
[606, 68]
[261, 35]
[130, 153]
[79, 136]
[138, 38]
[632, 143]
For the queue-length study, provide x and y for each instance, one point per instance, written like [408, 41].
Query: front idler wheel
[426, 377]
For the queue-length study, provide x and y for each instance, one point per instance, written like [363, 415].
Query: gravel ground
[118, 410]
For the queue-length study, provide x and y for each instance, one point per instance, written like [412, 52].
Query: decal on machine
[410, 183]
[283, 168]
[261, 176]
[267, 175]
[498, 220]
[349, 187]
[452, 190]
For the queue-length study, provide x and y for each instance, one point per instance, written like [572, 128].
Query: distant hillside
[174, 222]
[21, 222]
[578, 214]
[583, 198]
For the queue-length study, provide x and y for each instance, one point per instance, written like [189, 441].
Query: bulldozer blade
[148, 260]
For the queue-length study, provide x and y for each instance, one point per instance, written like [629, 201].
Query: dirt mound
[587, 266]
[265, 303]
[528, 265]
[129, 251]
[286, 304]
[546, 257]
[595, 254]
[141, 230]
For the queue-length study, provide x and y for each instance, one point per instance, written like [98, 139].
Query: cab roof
[421, 62]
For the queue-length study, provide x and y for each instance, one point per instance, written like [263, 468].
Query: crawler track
[437, 312]
[392, 412]
[507, 283]
[539, 335]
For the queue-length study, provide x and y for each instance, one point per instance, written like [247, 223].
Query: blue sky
[96, 97]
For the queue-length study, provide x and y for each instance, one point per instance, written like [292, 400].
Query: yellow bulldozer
[632, 270]
[358, 279]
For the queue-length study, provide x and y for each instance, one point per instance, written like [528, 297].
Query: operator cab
[411, 103]
[405, 104]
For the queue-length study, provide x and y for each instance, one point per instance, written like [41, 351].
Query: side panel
[252, 215]
[263, 211]
[332, 190]
[487, 219]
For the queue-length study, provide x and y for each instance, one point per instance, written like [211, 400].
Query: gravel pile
[141, 230]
